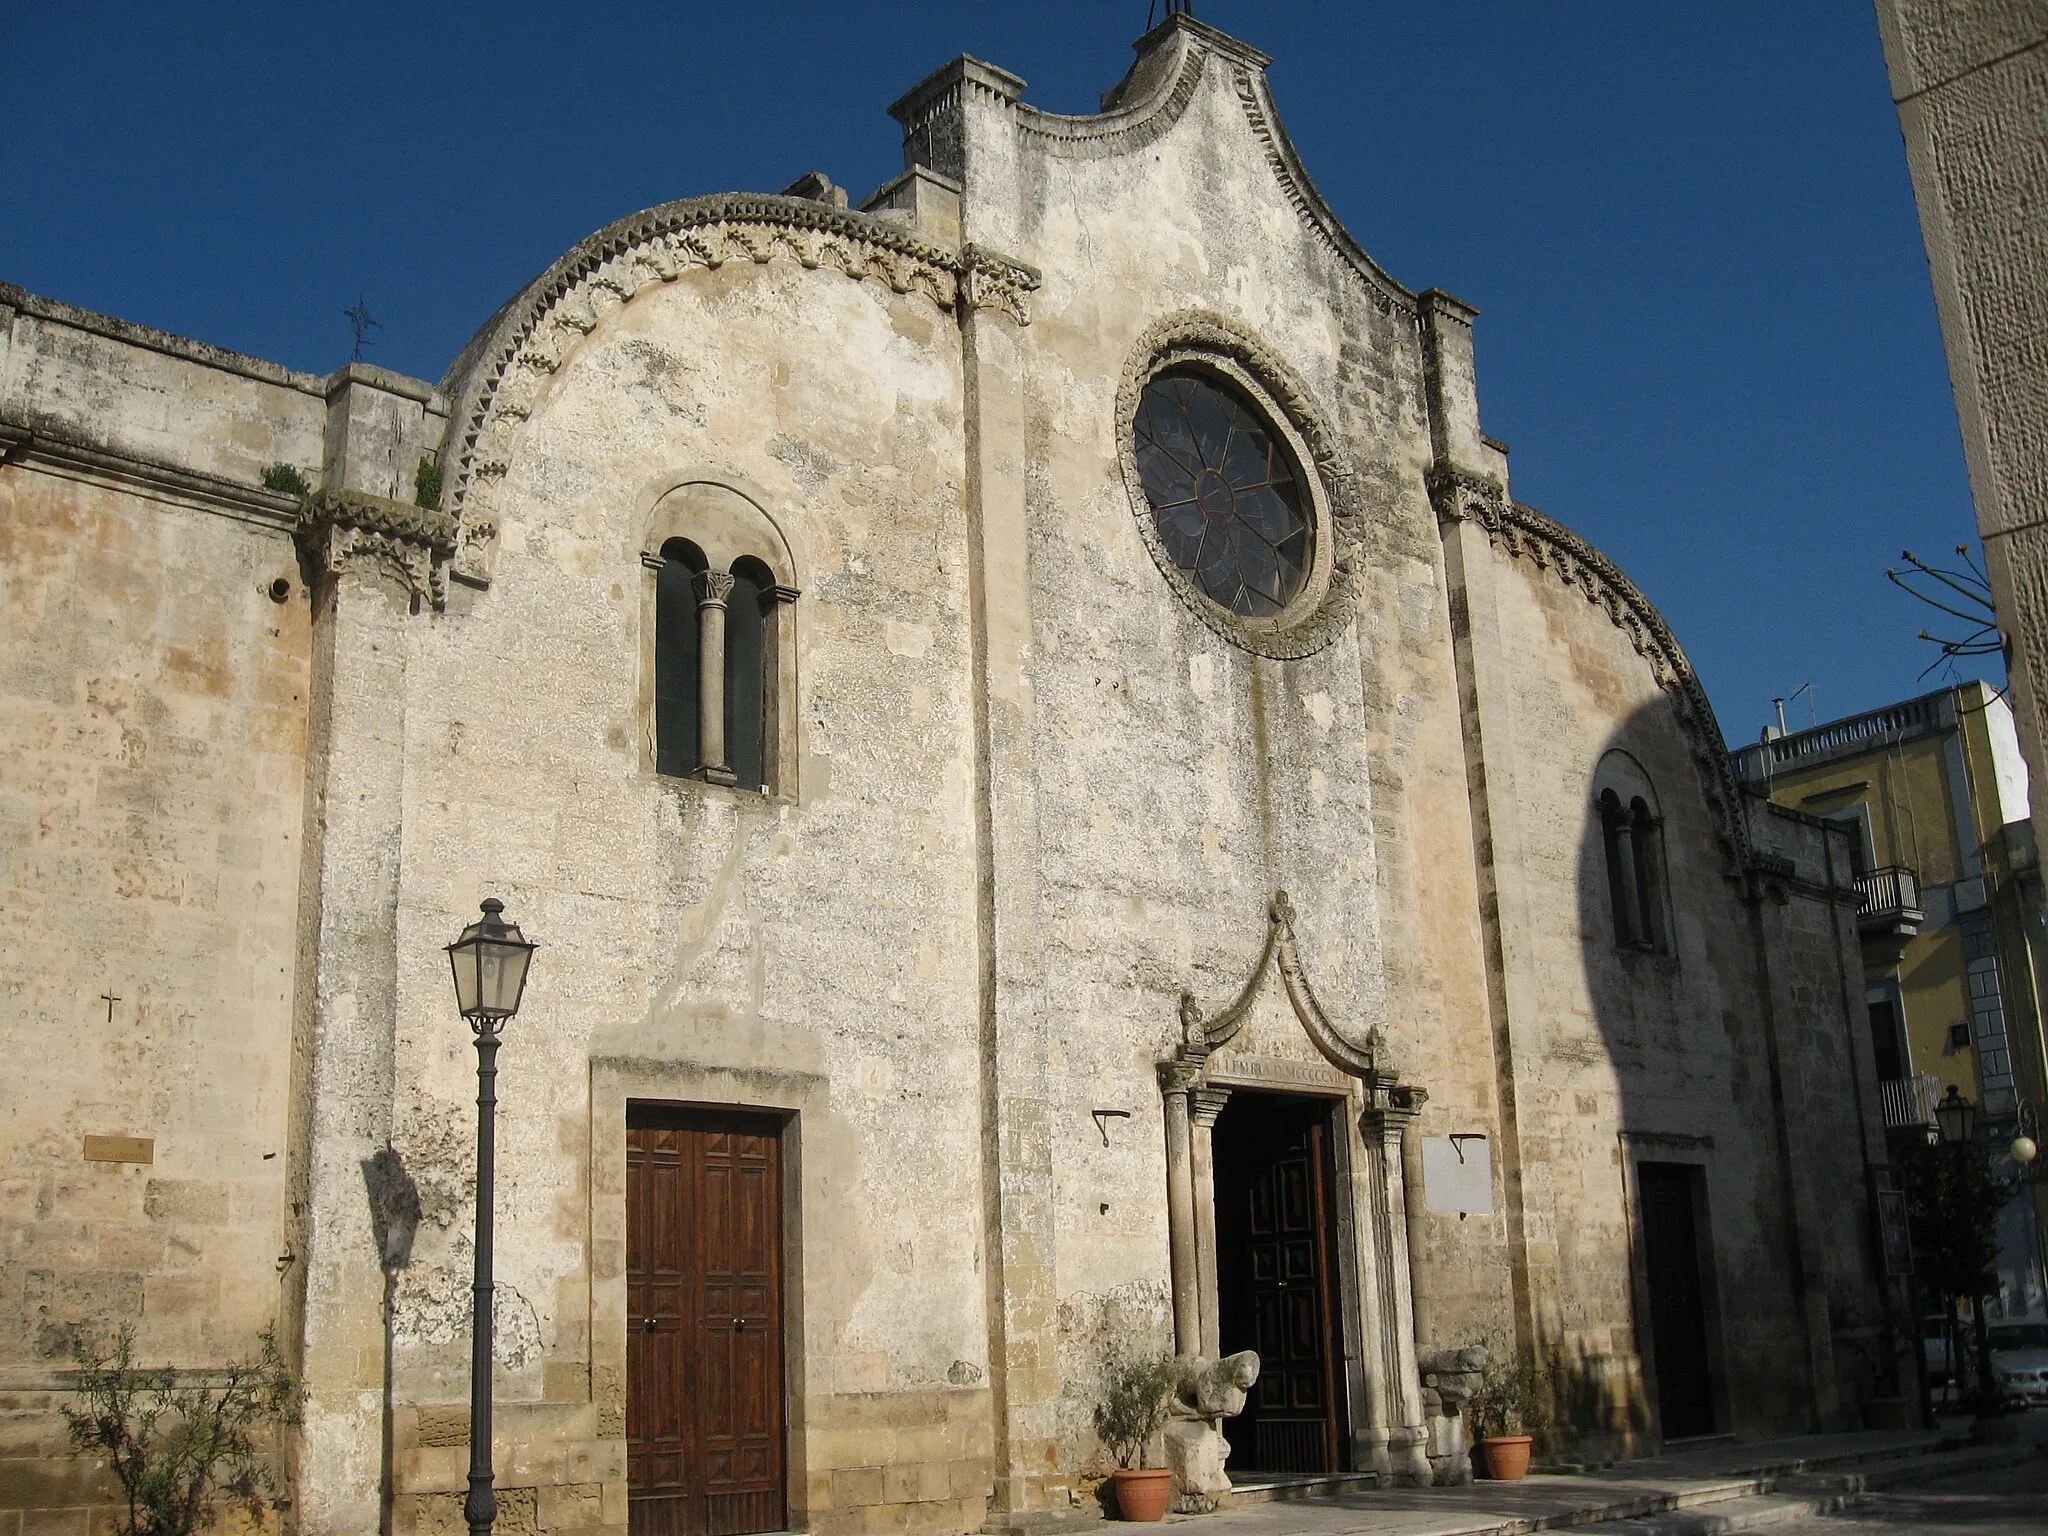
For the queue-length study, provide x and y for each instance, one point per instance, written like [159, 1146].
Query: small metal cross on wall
[359, 319]
[109, 999]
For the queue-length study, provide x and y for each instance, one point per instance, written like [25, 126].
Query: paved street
[2010, 1502]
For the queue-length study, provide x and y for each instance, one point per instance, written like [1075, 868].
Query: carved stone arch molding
[1201, 339]
[1523, 533]
[501, 375]
[1388, 1429]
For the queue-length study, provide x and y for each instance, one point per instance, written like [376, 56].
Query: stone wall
[152, 768]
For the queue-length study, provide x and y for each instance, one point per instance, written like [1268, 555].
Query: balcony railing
[1758, 762]
[1889, 898]
[1909, 1101]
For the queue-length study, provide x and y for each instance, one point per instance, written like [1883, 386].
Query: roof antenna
[1173, 8]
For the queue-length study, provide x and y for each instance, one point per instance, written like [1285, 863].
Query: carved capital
[713, 588]
[1179, 1075]
[1458, 495]
[342, 530]
[475, 540]
[990, 281]
[1207, 1103]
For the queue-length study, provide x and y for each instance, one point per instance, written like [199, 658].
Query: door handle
[648, 1324]
[739, 1325]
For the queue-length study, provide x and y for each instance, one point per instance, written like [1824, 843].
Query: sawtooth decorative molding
[1526, 534]
[1256, 98]
[338, 529]
[1330, 596]
[500, 377]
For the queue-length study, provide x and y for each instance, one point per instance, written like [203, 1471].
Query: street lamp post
[1956, 1117]
[489, 962]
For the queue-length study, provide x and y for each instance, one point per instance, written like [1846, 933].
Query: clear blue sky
[1707, 329]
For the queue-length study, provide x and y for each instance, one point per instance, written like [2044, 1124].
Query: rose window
[1225, 492]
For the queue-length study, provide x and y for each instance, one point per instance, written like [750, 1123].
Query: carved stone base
[1195, 1452]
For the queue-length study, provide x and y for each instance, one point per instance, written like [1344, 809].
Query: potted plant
[1132, 1407]
[1511, 1400]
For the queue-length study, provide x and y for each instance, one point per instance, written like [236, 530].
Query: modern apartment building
[1950, 914]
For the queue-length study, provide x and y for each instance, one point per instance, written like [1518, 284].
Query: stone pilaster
[1017, 1105]
[372, 563]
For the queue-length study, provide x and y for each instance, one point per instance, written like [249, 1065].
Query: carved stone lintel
[341, 530]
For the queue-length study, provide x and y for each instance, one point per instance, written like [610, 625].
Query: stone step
[1255, 1488]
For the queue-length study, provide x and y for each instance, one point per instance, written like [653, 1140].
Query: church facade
[1068, 812]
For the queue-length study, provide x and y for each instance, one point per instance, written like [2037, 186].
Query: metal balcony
[1909, 1101]
[1888, 901]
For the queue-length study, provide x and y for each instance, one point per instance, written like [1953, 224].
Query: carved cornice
[1126, 129]
[1318, 618]
[502, 374]
[338, 529]
[1526, 534]
[1256, 98]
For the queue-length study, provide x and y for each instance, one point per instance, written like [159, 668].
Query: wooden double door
[704, 1387]
[1276, 1279]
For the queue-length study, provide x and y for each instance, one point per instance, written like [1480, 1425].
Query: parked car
[2019, 1360]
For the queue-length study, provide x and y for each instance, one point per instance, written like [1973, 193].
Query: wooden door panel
[1273, 1219]
[705, 1449]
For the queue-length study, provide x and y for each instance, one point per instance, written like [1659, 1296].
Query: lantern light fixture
[489, 962]
[1956, 1116]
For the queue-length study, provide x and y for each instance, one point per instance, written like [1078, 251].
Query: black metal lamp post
[489, 962]
[1957, 1118]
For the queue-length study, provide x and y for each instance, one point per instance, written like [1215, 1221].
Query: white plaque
[1457, 1174]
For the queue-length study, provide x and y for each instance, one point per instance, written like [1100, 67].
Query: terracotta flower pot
[1507, 1456]
[1142, 1493]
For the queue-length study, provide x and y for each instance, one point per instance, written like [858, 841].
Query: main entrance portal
[1276, 1279]
[704, 1442]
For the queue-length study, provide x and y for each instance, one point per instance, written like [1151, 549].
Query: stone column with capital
[1405, 1424]
[1204, 1105]
[714, 590]
[1177, 1080]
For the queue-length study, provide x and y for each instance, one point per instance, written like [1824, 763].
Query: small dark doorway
[1276, 1278]
[704, 1432]
[1673, 1254]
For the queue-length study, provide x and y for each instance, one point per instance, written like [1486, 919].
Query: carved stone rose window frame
[1322, 607]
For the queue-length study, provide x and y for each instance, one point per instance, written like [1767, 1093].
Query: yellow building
[1950, 912]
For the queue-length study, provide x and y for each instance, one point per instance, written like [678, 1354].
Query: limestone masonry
[1046, 956]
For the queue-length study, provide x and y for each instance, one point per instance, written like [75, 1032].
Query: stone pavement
[1715, 1488]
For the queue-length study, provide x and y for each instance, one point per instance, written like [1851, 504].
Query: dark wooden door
[1276, 1280]
[1678, 1303]
[704, 1433]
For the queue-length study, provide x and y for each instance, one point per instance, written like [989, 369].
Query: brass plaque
[120, 1149]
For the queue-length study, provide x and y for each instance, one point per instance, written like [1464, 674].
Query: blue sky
[1707, 330]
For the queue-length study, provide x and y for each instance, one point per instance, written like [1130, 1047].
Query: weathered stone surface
[1029, 796]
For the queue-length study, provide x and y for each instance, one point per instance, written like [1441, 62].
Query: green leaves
[178, 1441]
[1133, 1404]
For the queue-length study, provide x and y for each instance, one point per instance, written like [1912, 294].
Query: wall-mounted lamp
[1104, 1116]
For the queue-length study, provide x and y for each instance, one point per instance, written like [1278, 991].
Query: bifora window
[1225, 491]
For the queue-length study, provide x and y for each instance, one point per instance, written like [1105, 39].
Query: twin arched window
[1633, 837]
[722, 644]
